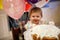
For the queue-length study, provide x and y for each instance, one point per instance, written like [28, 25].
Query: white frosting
[43, 30]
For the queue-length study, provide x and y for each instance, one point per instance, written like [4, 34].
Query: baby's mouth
[36, 20]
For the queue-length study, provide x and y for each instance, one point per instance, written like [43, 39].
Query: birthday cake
[42, 32]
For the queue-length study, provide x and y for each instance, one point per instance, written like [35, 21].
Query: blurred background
[51, 12]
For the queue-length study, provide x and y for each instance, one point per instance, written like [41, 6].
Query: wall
[52, 12]
[4, 30]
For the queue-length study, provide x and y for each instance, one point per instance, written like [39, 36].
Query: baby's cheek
[39, 18]
[31, 18]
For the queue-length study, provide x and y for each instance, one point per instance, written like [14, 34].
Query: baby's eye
[37, 16]
[33, 16]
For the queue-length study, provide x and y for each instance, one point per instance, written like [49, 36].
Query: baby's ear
[34, 36]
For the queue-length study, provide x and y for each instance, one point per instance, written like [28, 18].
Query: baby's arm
[25, 27]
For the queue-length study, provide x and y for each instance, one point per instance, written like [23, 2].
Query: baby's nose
[35, 17]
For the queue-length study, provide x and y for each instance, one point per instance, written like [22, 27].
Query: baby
[35, 18]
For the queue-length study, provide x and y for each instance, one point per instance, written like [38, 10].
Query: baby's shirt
[29, 25]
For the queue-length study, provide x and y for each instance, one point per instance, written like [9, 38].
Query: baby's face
[35, 18]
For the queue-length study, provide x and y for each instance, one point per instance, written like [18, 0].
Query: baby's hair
[35, 10]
